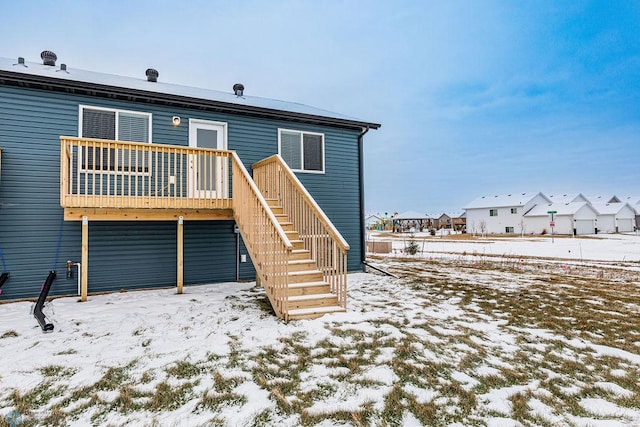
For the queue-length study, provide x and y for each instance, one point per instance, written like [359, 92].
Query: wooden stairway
[309, 296]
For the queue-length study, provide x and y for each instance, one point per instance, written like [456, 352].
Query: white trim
[302, 132]
[81, 107]
[221, 167]
[209, 122]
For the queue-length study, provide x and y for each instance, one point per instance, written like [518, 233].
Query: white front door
[207, 173]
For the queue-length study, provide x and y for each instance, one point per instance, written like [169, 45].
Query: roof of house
[610, 208]
[632, 200]
[35, 74]
[411, 215]
[504, 200]
[565, 198]
[601, 199]
[559, 208]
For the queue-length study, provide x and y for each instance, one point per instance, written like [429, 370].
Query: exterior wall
[138, 254]
[606, 223]
[537, 200]
[495, 224]
[536, 225]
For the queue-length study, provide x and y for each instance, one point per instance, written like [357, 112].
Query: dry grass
[448, 343]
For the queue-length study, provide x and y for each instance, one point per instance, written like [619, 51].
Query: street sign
[552, 212]
[552, 224]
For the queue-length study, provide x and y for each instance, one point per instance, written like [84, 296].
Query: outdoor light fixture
[176, 121]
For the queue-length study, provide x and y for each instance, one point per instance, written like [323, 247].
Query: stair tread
[299, 251]
[302, 261]
[311, 296]
[307, 284]
[313, 310]
[303, 272]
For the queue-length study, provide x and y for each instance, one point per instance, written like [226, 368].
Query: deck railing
[327, 246]
[266, 241]
[98, 173]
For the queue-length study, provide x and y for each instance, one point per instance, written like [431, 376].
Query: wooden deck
[299, 256]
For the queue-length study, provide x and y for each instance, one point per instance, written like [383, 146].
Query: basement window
[116, 125]
[302, 151]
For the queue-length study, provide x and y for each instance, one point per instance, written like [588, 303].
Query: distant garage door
[584, 226]
[625, 225]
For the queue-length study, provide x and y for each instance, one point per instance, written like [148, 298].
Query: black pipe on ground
[37, 311]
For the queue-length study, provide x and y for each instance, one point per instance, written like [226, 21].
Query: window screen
[312, 152]
[290, 149]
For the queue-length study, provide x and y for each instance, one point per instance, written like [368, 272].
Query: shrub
[412, 246]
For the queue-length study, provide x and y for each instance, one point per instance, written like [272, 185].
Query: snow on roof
[455, 214]
[566, 198]
[601, 199]
[411, 215]
[610, 208]
[504, 200]
[632, 200]
[92, 77]
[560, 208]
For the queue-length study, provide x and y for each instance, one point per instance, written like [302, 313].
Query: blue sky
[474, 97]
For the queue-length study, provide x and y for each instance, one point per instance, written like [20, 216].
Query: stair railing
[327, 246]
[267, 244]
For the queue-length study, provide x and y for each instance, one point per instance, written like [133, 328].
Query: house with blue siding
[122, 183]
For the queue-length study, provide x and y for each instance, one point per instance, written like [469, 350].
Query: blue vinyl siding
[127, 255]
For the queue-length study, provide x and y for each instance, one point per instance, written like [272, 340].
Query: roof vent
[48, 58]
[238, 89]
[152, 75]
[21, 62]
[63, 68]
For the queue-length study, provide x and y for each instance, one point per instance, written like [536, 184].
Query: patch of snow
[422, 395]
[381, 374]
[467, 382]
[614, 389]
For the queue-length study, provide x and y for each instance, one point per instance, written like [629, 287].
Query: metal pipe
[70, 265]
[363, 243]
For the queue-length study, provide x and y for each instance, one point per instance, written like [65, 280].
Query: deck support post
[180, 272]
[85, 259]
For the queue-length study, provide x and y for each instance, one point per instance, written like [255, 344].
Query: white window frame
[81, 107]
[514, 210]
[302, 132]
[491, 211]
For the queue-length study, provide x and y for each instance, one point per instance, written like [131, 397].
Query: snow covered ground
[454, 341]
[602, 247]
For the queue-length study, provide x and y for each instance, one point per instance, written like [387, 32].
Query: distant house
[458, 220]
[502, 213]
[372, 221]
[634, 201]
[444, 221]
[615, 217]
[577, 218]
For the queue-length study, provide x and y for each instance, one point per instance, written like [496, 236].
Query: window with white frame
[493, 212]
[119, 125]
[508, 230]
[514, 210]
[302, 151]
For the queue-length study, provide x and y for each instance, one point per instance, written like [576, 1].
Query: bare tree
[483, 227]
[523, 227]
[473, 228]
